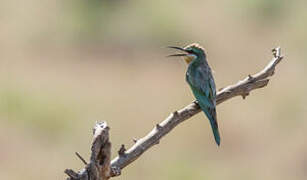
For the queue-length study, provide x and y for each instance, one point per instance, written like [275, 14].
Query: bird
[199, 77]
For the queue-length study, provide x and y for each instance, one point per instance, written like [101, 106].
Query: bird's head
[191, 52]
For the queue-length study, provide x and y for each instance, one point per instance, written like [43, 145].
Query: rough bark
[99, 166]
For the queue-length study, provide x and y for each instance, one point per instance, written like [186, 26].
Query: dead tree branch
[125, 157]
[99, 166]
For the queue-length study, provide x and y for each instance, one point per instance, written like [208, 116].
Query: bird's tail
[211, 114]
[216, 134]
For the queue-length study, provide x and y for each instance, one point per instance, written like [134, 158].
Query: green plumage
[200, 79]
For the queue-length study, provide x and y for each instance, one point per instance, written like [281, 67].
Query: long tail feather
[211, 114]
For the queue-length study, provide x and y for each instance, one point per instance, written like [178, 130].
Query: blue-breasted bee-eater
[200, 79]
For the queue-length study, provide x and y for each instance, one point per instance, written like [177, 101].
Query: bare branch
[242, 88]
[100, 167]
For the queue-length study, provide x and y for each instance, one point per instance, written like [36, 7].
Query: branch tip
[122, 150]
[101, 125]
[175, 113]
[81, 158]
[158, 126]
[250, 77]
[244, 95]
[276, 52]
[71, 173]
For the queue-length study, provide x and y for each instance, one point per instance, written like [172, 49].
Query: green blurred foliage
[264, 10]
[42, 114]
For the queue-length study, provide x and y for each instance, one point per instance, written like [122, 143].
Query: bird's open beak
[177, 48]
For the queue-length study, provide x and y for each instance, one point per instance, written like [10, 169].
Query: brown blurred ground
[67, 64]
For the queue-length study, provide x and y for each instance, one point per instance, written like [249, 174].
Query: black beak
[177, 48]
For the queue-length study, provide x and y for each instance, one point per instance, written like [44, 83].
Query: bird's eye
[189, 51]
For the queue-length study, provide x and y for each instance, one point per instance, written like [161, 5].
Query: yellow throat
[188, 59]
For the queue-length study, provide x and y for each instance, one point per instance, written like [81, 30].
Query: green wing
[203, 87]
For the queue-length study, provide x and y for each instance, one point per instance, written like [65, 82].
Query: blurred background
[66, 64]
